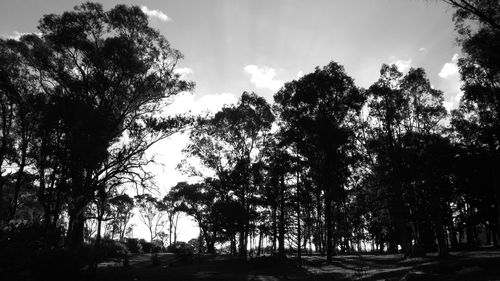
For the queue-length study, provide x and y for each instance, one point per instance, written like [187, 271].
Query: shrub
[155, 259]
[111, 249]
[34, 251]
[150, 247]
[133, 245]
[183, 251]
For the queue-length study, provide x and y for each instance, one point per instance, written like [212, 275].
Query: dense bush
[111, 249]
[33, 251]
[150, 247]
[183, 251]
[133, 245]
[155, 259]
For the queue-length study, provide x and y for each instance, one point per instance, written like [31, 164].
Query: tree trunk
[319, 229]
[210, 243]
[170, 221]
[299, 250]
[275, 229]
[439, 228]
[19, 179]
[259, 245]
[329, 226]
[281, 238]
[75, 211]
[75, 229]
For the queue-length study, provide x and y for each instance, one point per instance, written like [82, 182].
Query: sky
[231, 46]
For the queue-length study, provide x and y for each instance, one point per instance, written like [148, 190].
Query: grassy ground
[474, 265]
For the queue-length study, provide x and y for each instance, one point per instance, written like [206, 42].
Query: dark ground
[473, 265]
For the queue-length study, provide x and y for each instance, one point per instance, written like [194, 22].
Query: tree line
[330, 166]
[327, 168]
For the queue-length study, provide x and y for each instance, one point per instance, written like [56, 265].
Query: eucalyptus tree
[198, 200]
[477, 120]
[405, 113]
[104, 75]
[276, 192]
[318, 112]
[18, 118]
[229, 143]
[121, 209]
[172, 208]
[151, 213]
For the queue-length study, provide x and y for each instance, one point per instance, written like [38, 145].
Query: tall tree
[229, 144]
[198, 200]
[152, 213]
[404, 112]
[477, 119]
[318, 111]
[104, 73]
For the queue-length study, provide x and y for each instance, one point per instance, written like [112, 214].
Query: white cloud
[300, 74]
[183, 72]
[403, 65]
[155, 14]
[451, 83]
[452, 100]
[188, 103]
[450, 68]
[263, 77]
[422, 49]
[16, 35]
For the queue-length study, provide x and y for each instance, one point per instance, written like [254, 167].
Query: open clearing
[473, 265]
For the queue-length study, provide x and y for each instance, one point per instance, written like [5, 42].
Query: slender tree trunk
[299, 250]
[439, 228]
[329, 226]
[2, 216]
[281, 238]
[275, 229]
[19, 177]
[233, 244]
[175, 227]
[170, 222]
[259, 245]
[75, 211]
[453, 237]
[210, 243]
[319, 229]
[498, 211]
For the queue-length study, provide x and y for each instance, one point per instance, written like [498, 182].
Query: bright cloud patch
[183, 71]
[300, 74]
[450, 83]
[16, 35]
[155, 14]
[188, 103]
[450, 68]
[263, 77]
[422, 49]
[403, 65]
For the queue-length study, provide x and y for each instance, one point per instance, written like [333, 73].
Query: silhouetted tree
[104, 74]
[477, 120]
[229, 144]
[319, 109]
[152, 213]
[198, 200]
